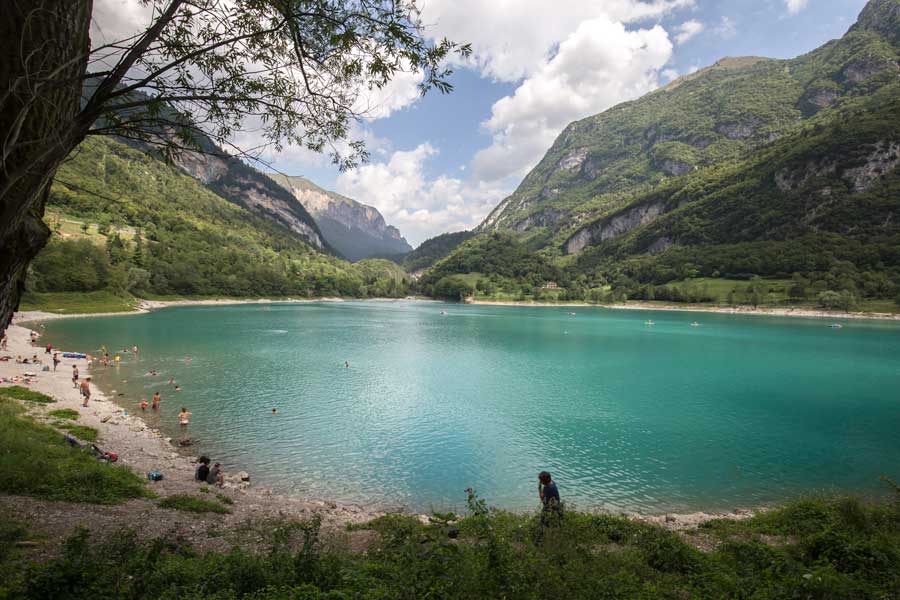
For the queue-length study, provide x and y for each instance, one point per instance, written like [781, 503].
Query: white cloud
[795, 6]
[669, 74]
[599, 65]
[687, 31]
[512, 39]
[726, 28]
[419, 206]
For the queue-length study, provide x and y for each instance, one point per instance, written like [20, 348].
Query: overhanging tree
[295, 69]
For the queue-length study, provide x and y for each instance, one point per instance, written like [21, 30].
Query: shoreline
[145, 306]
[808, 313]
[144, 447]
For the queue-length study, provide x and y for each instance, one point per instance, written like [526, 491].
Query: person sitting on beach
[75, 376]
[156, 400]
[86, 390]
[203, 469]
[19, 360]
[35, 360]
[215, 476]
[49, 349]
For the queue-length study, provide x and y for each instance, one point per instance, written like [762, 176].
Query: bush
[192, 504]
[22, 393]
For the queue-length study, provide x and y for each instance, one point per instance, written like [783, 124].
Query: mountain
[162, 232]
[433, 249]
[752, 166]
[601, 164]
[354, 229]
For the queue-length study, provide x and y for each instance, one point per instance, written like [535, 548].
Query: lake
[736, 412]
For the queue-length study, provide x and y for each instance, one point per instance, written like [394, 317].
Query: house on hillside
[550, 285]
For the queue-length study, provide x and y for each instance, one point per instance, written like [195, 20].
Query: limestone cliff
[354, 229]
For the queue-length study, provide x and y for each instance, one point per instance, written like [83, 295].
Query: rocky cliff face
[356, 230]
[247, 187]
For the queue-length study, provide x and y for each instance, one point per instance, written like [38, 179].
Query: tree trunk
[44, 45]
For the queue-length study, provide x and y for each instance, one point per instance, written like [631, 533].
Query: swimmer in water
[346, 365]
[144, 404]
[156, 400]
[177, 388]
[274, 411]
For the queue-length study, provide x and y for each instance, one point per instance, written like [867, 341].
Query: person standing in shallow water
[156, 399]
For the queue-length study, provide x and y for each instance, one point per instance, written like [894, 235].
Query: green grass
[18, 392]
[811, 548]
[65, 413]
[78, 302]
[192, 504]
[224, 499]
[36, 461]
[82, 432]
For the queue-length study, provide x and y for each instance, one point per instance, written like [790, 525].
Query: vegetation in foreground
[36, 461]
[193, 504]
[811, 548]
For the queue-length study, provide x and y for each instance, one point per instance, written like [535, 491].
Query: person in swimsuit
[156, 400]
[184, 418]
[86, 391]
[56, 360]
[75, 376]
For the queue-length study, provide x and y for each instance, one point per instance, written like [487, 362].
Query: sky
[440, 163]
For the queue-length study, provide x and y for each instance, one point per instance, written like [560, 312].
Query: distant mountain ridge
[354, 229]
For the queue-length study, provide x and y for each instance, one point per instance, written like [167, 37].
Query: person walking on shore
[3, 342]
[55, 360]
[156, 400]
[86, 390]
[75, 376]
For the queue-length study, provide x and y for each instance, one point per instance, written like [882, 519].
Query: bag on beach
[155, 476]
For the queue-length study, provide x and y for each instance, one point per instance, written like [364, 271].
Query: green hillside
[750, 168]
[158, 231]
[720, 114]
[433, 249]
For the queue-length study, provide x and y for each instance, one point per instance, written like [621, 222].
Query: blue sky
[442, 162]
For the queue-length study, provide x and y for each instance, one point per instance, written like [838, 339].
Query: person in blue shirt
[547, 490]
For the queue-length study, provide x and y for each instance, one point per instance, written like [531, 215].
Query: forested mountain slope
[354, 229]
[719, 115]
[163, 232]
[753, 167]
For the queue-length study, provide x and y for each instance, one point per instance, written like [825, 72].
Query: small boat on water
[836, 326]
[695, 324]
[649, 323]
[443, 312]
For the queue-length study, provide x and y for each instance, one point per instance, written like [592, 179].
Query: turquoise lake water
[738, 412]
